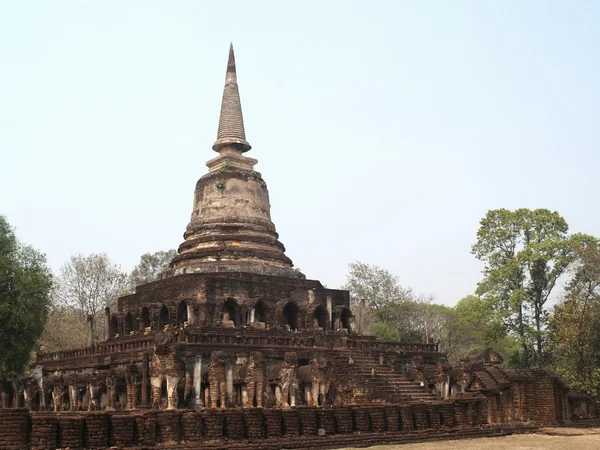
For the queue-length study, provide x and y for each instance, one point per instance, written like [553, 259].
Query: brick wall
[21, 429]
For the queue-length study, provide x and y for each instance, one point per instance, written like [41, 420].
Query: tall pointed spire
[231, 228]
[231, 122]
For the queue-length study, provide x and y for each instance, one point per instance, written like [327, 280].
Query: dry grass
[547, 439]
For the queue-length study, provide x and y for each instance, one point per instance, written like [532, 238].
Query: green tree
[472, 327]
[25, 297]
[150, 267]
[404, 317]
[524, 252]
[575, 325]
[385, 332]
[375, 293]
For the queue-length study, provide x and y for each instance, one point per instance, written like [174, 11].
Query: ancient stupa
[232, 348]
[231, 228]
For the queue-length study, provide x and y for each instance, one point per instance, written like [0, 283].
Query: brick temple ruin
[234, 348]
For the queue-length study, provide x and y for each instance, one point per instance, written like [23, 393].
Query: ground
[546, 439]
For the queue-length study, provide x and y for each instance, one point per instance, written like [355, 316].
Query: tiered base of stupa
[252, 361]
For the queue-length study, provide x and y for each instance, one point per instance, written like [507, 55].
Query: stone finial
[231, 122]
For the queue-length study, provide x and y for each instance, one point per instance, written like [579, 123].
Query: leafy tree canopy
[375, 293]
[150, 267]
[472, 327]
[524, 252]
[25, 297]
[575, 325]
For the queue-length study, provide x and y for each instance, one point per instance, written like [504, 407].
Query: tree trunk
[526, 357]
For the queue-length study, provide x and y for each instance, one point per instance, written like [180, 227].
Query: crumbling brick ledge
[240, 428]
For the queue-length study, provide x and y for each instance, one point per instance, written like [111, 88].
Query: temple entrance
[182, 312]
[232, 311]
[291, 316]
[345, 318]
[145, 317]
[164, 317]
[320, 317]
[260, 312]
[128, 324]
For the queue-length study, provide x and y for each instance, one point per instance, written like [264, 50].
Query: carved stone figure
[255, 380]
[288, 383]
[217, 380]
[166, 367]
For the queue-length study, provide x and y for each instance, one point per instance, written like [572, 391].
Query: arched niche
[145, 317]
[320, 317]
[290, 313]
[163, 317]
[232, 311]
[345, 318]
[128, 324]
[182, 312]
[260, 312]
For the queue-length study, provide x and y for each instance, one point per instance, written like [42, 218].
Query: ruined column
[198, 382]
[308, 395]
[314, 393]
[5, 399]
[245, 396]
[73, 396]
[229, 381]
[107, 321]
[190, 313]
[90, 324]
[330, 309]
[252, 313]
[172, 394]
[145, 365]
[110, 391]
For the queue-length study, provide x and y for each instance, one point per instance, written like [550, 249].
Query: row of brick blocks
[21, 429]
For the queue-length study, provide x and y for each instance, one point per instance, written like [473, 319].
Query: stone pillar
[252, 313]
[207, 398]
[110, 392]
[322, 395]
[244, 396]
[330, 309]
[73, 396]
[229, 381]
[107, 321]
[90, 324]
[198, 382]
[5, 399]
[57, 394]
[145, 377]
[172, 395]
[308, 395]
[314, 393]
[190, 313]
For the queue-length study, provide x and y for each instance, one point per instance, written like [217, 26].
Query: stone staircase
[365, 380]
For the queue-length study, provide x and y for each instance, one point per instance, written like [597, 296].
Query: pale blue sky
[384, 130]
